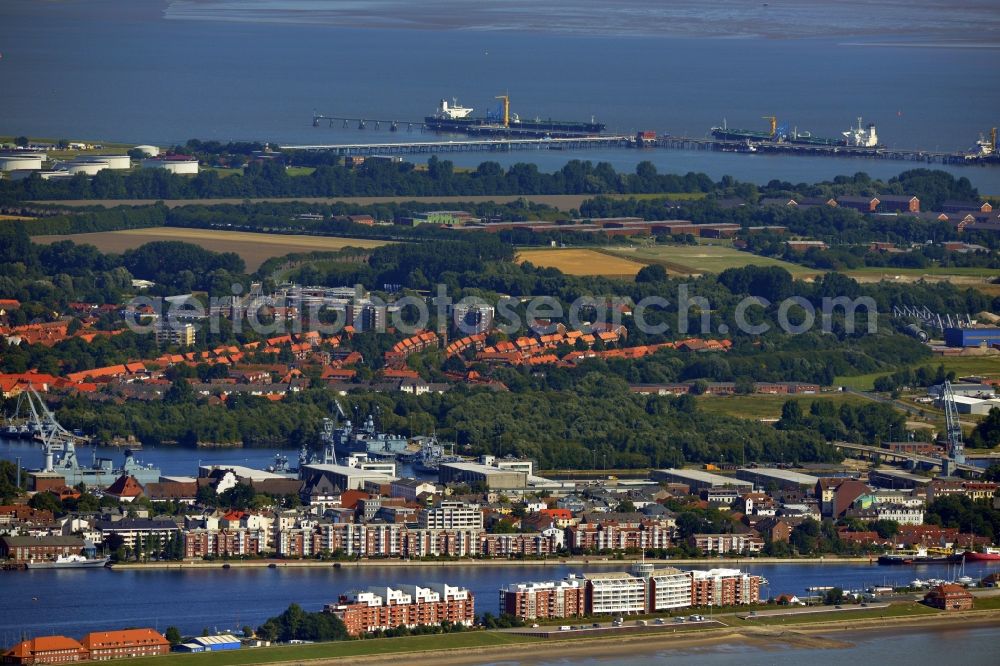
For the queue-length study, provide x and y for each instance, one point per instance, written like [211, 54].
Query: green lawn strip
[704, 258]
[986, 603]
[910, 609]
[768, 406]
[331, 650]
[935, 271]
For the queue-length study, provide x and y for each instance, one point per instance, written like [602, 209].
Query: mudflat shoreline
[825, 635]
[577, 561]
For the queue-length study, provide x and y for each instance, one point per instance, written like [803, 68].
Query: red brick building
[46, 650]
[224, 543]
[105, 645]
[407, 606]
[724, 587]
[949, 597]
[530, 601]
[21, 549]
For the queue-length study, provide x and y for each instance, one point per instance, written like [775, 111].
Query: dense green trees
[297, 624]
[375, 178]
[964, 513]
[986, 434]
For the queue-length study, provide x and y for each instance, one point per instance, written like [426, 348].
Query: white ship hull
[81, 563]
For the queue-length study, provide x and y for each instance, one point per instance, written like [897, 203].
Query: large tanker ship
[457, 118]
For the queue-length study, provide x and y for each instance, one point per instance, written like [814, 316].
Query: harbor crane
[54, 437]
[774, 124]
[953, 430]
[506, 109]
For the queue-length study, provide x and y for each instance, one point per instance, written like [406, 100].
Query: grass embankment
[254, 248]
[759, 406]
[849, 614]
[339, 649]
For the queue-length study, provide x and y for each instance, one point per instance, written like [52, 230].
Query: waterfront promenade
[551, 561]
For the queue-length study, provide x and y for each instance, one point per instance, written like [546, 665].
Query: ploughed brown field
[254, 248]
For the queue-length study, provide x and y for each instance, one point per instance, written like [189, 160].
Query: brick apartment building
[20, 549]
[642, 589]
[724, 587]
[727, 543]
[127, 643]
[224, 543]
[406, 606]
[530, 601]
[46, 650]
[95, 646]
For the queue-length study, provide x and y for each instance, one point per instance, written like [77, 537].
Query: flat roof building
[698, 480]
[784, 479]
[895, 478]
[488, 475]
[346, 478]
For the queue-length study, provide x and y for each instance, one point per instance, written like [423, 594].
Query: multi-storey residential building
[615, 592]
[127, 643]
[451, 515]
[976, 490]
[225, 543]
[668, 588]
[724, 587]
[620, 535]
[727, 543]
[904, 515]
[175, 334]
[406, 606]
[643, 589]
[134, 530]
[530, 601]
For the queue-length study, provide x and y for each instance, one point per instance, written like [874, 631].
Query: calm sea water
[171, 460]
[119, 70]
[62, 600]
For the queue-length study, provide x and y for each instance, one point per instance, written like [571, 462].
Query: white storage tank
[20, 161]
[90, 167]
[180, 164]
[151, 151]
[114, 161]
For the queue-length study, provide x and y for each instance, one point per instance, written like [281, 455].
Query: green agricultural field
[365, 648]
[758, 407]
[986, 366]
[702, 258]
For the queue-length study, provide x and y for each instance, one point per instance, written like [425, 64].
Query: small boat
[916, 582]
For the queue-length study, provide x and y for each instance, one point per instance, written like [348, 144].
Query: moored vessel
[70, 562]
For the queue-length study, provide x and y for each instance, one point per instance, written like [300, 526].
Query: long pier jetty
[667, 141]
[473, 145]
